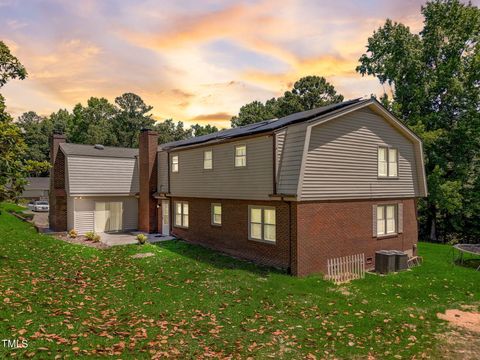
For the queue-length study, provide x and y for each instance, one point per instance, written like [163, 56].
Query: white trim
[262, 224]
[212, 214]
[182, 214]
[235, 156]
[211, 159]
[177, 163]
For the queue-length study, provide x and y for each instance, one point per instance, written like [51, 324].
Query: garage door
[108, 216]
[102, 214]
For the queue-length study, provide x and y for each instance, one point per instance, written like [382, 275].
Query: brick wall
[333, 229]
[57, 216]
[147, 205]
[232, 236]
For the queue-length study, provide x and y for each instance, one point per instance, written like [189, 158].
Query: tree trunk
[432, 222]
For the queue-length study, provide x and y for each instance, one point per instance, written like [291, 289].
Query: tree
[36, 135]
[435, 81]
[199, 130]
[36, 132]
[169, 131]
[10, 66]
[307, 93]
[251, 113]
[130, 118]
[93, 124]
[13, 165]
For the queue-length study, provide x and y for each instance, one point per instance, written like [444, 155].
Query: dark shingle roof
[90, 150]
[38, 183]
[263, 126]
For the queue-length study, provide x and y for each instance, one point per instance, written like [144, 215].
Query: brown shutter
[400, 218]
[374, 220]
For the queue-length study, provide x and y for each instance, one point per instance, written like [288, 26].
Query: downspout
[274, 162]
[289, 234]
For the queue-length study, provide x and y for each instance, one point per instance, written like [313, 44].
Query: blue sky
[195, 61]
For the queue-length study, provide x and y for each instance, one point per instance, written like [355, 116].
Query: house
[36, 188]
[292, 192]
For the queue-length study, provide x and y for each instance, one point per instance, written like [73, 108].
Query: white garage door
[108, 216]
[101, 214]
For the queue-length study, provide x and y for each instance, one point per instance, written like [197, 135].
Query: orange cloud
[328, 66]
[220, 116]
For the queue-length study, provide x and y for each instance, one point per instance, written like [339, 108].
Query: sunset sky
[195, 61]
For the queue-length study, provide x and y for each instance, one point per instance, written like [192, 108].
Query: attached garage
[102, 188]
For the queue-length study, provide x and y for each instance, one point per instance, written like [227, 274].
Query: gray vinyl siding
[342, 160]
[35, 193]
[279, 145]
[82, 212]
[162, 159]
[291, 159]
[102, 175]
[255, 181]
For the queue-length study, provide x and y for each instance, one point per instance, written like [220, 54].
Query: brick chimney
[147, 171]
[57, 197]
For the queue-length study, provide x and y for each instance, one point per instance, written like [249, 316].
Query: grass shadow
[216, 258]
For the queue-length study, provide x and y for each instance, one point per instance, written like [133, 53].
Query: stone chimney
[57, 197]
[147, 172]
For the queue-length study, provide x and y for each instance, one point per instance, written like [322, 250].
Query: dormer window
[387, 162]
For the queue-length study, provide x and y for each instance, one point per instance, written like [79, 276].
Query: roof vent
[99, 147]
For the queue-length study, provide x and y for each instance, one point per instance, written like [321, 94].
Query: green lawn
[189, 302]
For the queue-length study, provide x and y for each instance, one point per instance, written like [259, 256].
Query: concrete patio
[115, 239]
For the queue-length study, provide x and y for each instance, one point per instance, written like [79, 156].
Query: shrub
[90, 235]
[73, 233]
[96, 238]
[142, 239]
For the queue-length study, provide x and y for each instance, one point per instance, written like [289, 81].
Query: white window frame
[262, 223]
[214, 221]
[175, 163]
[244, 163]
[208, 163]
[383, 220]
[183, 215]
[389, 161]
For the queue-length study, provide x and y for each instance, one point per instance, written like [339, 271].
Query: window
[216, 214]
[207, 160]
[386, 219]
[262, 224]
[387, 162]
[181, 214]
[240, 155]
[175, 163]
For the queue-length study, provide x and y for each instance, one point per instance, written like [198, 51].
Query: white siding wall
[255, 181]
[291, 159]
[83, 212]
[342, 160]
[102, 175]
